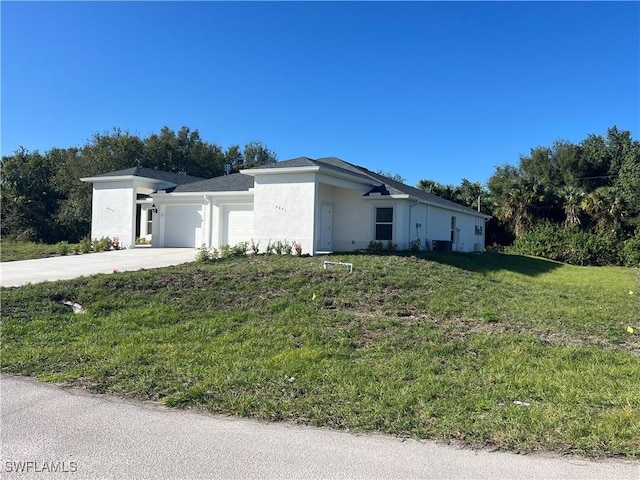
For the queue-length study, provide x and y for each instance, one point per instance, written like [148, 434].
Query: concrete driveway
[92, 436]
[14, 274]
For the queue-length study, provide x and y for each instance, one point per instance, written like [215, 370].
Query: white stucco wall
[284, 209]
[352, 218]
[113, 211]
[418, 223]
[439, 228]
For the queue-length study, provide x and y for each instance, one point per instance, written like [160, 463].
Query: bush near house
[505, 351]
[11, 251]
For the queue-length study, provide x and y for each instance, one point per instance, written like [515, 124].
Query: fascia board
[119, 178]
[386, 197]
[450, 208]
[241, 193]
[277, 171]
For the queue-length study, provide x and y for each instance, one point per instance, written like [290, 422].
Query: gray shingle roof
[393, 187]
[236, 182]
[171, 177]
[239, 182]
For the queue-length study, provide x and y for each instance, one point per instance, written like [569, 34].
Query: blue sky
[424, 89]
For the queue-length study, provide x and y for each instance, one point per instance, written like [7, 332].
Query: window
[384, 223]
[149, 215]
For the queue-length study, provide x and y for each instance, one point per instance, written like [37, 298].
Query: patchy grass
[492, 350]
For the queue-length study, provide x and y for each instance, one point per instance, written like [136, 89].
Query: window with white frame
[384, 223]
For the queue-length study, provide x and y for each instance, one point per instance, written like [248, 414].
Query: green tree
[183, 152]
[256, 153]
[28, 198]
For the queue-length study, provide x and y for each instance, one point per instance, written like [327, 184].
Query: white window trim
[375, 223]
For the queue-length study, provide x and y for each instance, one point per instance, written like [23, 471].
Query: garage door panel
[239, 224]
[182, 225]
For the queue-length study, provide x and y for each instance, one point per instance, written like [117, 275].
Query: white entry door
[326, 228]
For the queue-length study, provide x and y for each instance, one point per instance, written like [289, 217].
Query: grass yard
[13, 251]
[503, 351]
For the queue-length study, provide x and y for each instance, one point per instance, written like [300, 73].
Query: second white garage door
[183, 225]
[239, 222]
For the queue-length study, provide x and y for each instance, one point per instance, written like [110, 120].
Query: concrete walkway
[92, 436]
[14, 274]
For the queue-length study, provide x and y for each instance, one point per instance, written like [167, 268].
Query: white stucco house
[324, 204]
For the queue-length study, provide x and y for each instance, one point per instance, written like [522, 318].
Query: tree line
[578, 203]
[43, 199]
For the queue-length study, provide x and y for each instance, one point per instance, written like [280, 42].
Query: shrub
[254, 247]
[375, 246]
[63, 248]
[569, 245]
[415, 245]
[85, 245]
[203, 255]
[239, 250]
[630, 255]
[225, 251]
[101, 245]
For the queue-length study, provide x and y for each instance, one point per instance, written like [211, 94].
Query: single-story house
[324, 204]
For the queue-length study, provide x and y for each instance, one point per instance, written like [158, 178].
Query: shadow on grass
[487, 262]
[493, 262]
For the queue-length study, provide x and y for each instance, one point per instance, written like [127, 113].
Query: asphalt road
[87, 436]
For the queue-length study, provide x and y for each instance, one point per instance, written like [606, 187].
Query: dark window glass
[384, 231]
[384, 223]
[384, 215]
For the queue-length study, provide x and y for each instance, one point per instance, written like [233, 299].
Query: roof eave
[119, 178]
[276, 170]
[203, 194]
[461, 208]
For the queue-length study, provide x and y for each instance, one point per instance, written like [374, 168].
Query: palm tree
[571, 204]
[605, 207]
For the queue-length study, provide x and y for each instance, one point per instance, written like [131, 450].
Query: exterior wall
[285, 208]
[418, 223]
[352, 220]
[438, 224]
[113, 212]
[466, 240]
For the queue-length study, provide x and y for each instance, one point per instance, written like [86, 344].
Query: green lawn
[12, 251]
[492, 350]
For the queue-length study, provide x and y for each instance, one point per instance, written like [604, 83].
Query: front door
[326, 228]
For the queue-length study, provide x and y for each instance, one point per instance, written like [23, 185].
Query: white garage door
[182, 225]
[239, 222]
